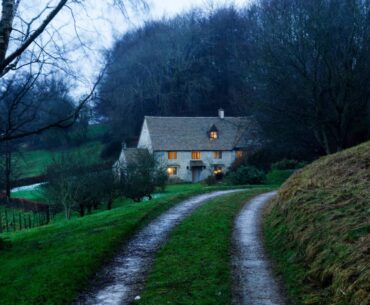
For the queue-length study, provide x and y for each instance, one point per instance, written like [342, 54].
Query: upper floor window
[213, 133]
[172, 155]
[217, 155]
[195, 155]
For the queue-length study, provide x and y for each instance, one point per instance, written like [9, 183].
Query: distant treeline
[301, 67]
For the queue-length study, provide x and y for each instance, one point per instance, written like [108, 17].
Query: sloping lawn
[50, 264]
[194, 267]
[34, 163]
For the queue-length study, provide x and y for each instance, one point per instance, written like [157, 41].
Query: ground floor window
[218, 171]
[172, 171]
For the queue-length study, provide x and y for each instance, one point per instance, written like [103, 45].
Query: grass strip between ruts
[194, 266]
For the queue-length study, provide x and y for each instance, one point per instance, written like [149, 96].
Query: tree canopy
[299, 66]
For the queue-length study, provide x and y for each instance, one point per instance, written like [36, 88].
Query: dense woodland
[301, 67]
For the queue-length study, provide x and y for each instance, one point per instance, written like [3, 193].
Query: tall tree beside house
[313, 71]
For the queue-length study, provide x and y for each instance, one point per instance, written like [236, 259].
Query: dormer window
[213, 133]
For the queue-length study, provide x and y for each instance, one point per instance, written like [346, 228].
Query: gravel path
[121, 281]
[254, 281]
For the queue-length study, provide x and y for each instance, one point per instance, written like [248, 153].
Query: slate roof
[191, 133]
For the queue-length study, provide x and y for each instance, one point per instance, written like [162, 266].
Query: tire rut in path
[254, 281]
[121, 280]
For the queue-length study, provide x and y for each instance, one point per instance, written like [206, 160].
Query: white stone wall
[183, 163]
[145, 141]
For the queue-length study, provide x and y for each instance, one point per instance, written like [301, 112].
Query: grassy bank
[50, 264]
[194, 265]
[318, 230]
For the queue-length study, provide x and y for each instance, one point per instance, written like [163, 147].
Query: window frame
[172, 155]
[196, 155]
[217, 154]
[239, 154]
[174, 172]
[213, 135]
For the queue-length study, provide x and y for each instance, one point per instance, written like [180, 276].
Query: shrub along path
[123, 278]
[255, 284]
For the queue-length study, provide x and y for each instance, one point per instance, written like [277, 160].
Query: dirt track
[254, 282]
[122, 280]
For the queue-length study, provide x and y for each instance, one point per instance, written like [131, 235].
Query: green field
[50, 264]
[33, 163]
[194, 267]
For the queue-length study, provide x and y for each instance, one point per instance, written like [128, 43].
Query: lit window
[172, 171]
[172, 155]
[217, 155]
[217, 171]
[239, 154]
[213, 135]
[195, 155]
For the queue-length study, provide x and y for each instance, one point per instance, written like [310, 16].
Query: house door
[196, 173]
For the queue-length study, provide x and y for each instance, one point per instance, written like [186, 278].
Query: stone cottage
[193, 148]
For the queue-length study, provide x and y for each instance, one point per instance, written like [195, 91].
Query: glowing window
[172, 155]
[172, 171]
[217, 155]
[217, 170]
[195, 155]
[213, 135]
[239, 154]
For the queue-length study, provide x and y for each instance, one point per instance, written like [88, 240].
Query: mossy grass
[318, 230]
[194, 266]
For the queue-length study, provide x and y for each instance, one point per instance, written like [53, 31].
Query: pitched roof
[191, 133]
[130, 154]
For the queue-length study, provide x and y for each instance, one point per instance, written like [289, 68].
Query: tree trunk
[82, 210]
[6, 24]
[109, 204]
[8, 172]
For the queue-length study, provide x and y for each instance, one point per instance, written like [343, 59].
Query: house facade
[193, 148]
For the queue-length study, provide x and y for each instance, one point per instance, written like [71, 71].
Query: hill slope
[318, 230]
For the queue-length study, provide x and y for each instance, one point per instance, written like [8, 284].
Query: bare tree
[33, 42]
